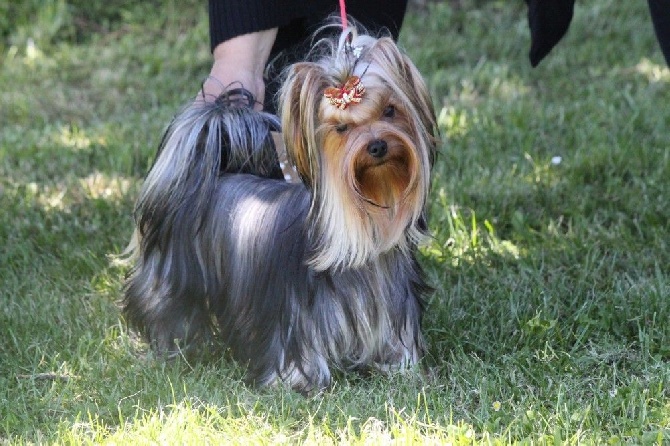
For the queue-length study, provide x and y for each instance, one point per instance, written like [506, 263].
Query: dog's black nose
[377, 148]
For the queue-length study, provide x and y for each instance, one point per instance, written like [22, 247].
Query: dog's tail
[166, 291]
[205, 140]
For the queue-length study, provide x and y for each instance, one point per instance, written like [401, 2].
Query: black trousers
[292, 43]
[549, 20]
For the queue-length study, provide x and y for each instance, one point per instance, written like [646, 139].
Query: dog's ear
[425, 108]
[405, 77]
[299, 102]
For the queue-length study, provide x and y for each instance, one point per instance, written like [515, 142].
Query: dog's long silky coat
[294, 278]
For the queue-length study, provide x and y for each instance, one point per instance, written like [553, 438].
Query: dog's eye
[389, 111]
[341, 128]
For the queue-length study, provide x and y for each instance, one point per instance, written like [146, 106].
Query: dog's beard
[366, 206]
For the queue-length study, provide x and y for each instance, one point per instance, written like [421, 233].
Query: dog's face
[361, 135]
[372, 147]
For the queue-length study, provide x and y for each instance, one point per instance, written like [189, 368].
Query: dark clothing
[549, 20]
[296, 22]
[660, 15]
[231, 18]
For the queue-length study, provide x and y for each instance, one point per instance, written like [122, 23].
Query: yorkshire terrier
[296, 279]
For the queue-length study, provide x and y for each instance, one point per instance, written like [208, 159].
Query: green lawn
[550, 211]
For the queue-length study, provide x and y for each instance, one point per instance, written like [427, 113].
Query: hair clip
[355, 51]
[346, 44]
[350, 93]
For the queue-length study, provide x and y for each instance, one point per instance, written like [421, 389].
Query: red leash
[343, 14]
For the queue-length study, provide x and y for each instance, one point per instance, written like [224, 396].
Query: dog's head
[359, 125]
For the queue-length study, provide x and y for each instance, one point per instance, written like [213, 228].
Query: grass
[549, 210]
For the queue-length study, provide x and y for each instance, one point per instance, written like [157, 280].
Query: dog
[296, 279]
